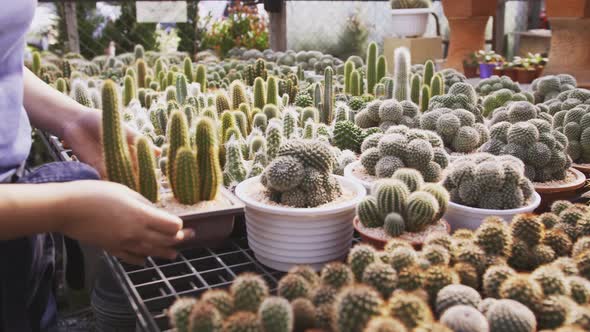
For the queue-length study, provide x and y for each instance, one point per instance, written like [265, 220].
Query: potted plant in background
[538, 61]
[470, 66]
[509, 70]
[525, 72]
[488, 60]
[410, 17]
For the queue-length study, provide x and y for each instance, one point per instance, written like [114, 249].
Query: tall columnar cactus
[116, 153]
[181, 88]
[437, 85]
[327, 114]
[401, 85]
[355, 83]
[177, 132]
[290, 124]
[171, 78]
[235, 169]
[187, 66]
[389, 83]
[159, 67]
[272, 94]
[428, 72]
[221, 102]
[259, 95]
[415, 89]
[260, 69]
[348, 69]
[148, 183]
[424, 98]
[381, 68]
[210, 175]
[141, 73]
[371, 67]
[317, 95]
[185, 178]
[80, 94]
[238, 94]
[129, 90]
[66, 68]
[36, 66]
[201, 77]
[274, 139]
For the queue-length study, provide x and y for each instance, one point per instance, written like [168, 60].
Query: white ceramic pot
[410, 22]
[282, 237]
[461, 216]
[348, 173]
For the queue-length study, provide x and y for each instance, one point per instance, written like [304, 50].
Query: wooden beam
[72, 27]
[278, 29]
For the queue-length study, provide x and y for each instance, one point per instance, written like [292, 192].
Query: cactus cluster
[503, 97]
[301, 175]
[402, 147]
[567, 100]
[460, 96]
[519, 111]
[549, 87]
[571, 123]
[485, 181]
[403, 204]
[541, 148]
[388, 113]
[495, 83]
[458, 129]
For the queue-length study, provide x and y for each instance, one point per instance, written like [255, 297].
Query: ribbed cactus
[171, 93]
[187, 67]
[210, 175]
[138, 51]
[428, 72]
[415, 89]
[389, 83]
[274, 138]
[171, 78]
[185, 176]
[66, 68]
[437, 85]
[201, 77]
[235, 169]
[159, 67]
[259, 95]
[317, 95]
[371, 66]
[148, 183]
[116, 153]
[36, 66]
[80, 94]
[181, 88]
[348, 69]
[129, 90]
[290, 124]
[141, 73]
[238, 94]
[260, 69]
[272, 94]
[221, 102]
[381, 68]
[327, 114]
[401, 85]
[177, 132]
[355, 83]
[424, 98]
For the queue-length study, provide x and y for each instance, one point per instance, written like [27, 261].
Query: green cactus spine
[354, 308]
[36, 66]
[259, 98]
[186, 183]
[371, 66]
[210, 175]
[61, 85]
[81, 95]
[187, 66]
[381, 68]
[238, 95]
[129, 90]
[148, 183]
[415, 89]
[141, 73]
[327, 114]
[424, 98]
[276, 315]
[116, 153]
[428, 72]
[348, 69]
[177, 138]
[437, 85]
[401, 85]
[274, 139]
[201, 77]
[272, 94]
[355, 83]
[181, 88]
[221, 102]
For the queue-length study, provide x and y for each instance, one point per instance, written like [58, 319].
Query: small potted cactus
[399, 147]
[403, 207]
[410, 17]
[471, 66]
[525, 71]
[481, 185]
[189, 185]
[488, 60]
[297, 212]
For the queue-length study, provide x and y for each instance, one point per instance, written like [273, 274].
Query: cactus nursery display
[574, 124]
[457, 128]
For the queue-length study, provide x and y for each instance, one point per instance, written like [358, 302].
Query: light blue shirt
[15, 130]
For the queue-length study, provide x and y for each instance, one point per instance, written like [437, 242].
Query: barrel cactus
[388, 113]
[458, 129]
[503, 97]
[495, 83]
[575, 124]
[550, 86]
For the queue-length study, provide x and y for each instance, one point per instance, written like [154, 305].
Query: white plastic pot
[350, 175]
[282, 237]
[461, 216]
[410, 22]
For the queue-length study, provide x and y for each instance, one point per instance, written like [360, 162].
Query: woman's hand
[120, 220]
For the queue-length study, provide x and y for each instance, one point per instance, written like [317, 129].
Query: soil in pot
[568, 189]
[525, 76]
[378, 238]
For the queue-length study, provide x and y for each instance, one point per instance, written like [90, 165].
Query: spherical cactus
[468, 275]
[452, 295]
[551, 279]
[276, 314]
[391, 196]
[382, 277]
[436, 254]
[385, 324]
[359, 258]
[409, 309]
[179, 313]
[527, 228]
[204, 317]
[410, 177]
[436, 277]
[494, 237]
[523, 289]
[248, 291]
[221, 300]
[465, 318]
[307, 272]
[420, 211]
[368, 212]
[402, 257]
[559, 241]
[394, 224]
[303, 314]
[354, 308]
[494, 277]
[242, 322]
[410, 278]
[293, 286]
[323, 295]
[336, 275]
[509, 315]
[284, 173]
[553, 312]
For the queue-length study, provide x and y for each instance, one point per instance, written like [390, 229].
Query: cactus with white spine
[402, 74]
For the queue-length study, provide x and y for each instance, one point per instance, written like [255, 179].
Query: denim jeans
[27, 302]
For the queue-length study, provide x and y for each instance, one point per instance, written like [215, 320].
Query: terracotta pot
[470, 71]
[539, 71]
[525, 76]
[584, 168]
[567, 8]
[379, 243]
[567, 191]
[498, 71]
[467, 23]
[510, 72]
